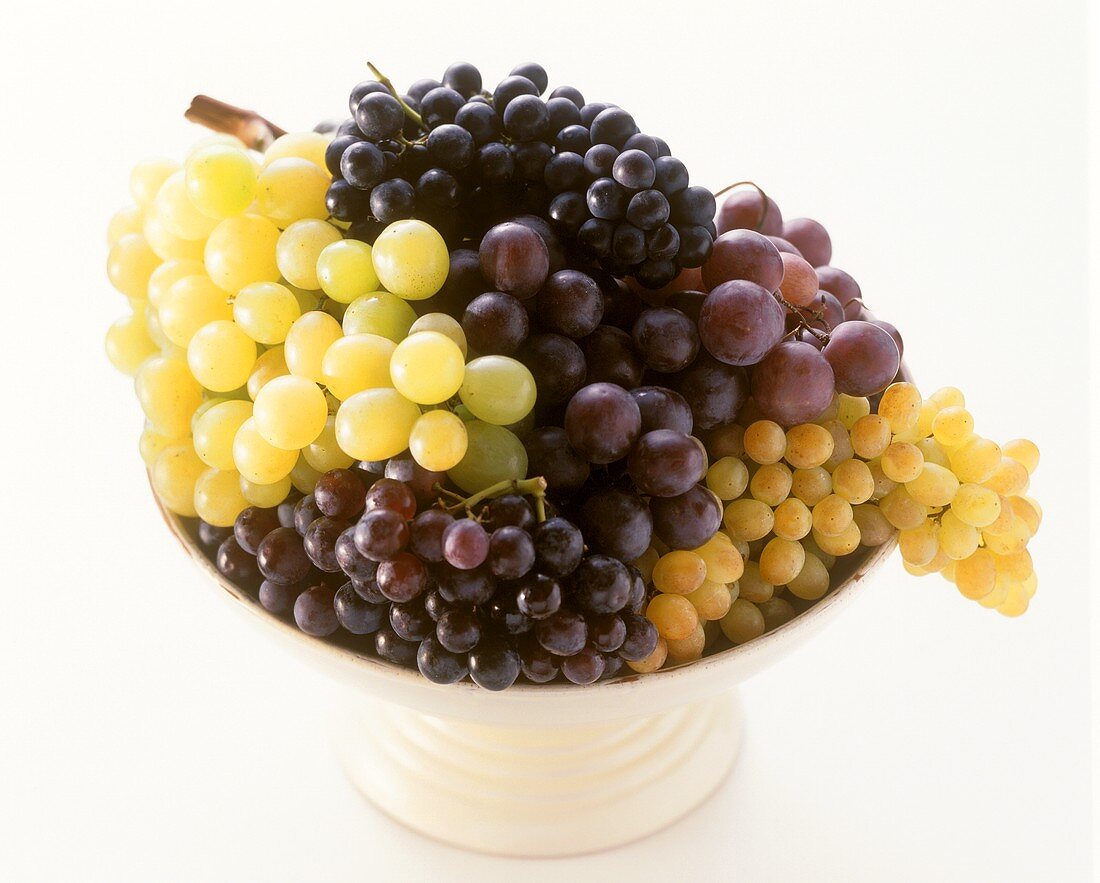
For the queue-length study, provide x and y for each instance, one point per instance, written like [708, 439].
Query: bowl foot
[524, 791]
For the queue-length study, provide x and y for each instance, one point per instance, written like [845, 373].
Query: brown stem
[255, 131]
[763, 199]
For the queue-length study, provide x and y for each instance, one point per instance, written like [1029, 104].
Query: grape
[235, 564]
[426, 534]
[411, 259]
[459, 630]
[606, 199]
[381, 534]
[314, 612]
[357, 566]
[570, 303]
[793, 384]
[602, 422]
[298, 249]
[427, 367]
[339, 494]
[511, 552]
[610, 358]
[304, 514]
[319, 542]
[810, 238]
[662, 408]
[290, 412]
[539, 596]
[438, 440]
[210, 537]
[357, 362]
[493, 664]
[559, 547]
[495, 323]
[602, 584]
[465, 544]
[509, 509]
[799, 285]
[538, 664]
[402, 576]
[252, 525]
[688, 520]
[278, 599]
[666, 463]
[375, 424]
[514, 259]
[617, 523]
[281, 557]
[410, 621]
[841, 285]
[667, 339]
[257, 460]
[389, 493]
[556, 363]
[563, 634]
[221, 356]
[740, 322]
[648, 211]
[584, 667]
[634, 170]
[494, 454]
[749, 209]
[864, 358]
[599, 161]
[498, 389]
[613, 126]
[380, 313]
[640, 640]
[379, 116]
[439, 665]
[394, 649]
[293, 189]
[549, 455]
[893, 332]
[714, 391]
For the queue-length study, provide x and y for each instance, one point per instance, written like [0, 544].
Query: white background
[146, 735]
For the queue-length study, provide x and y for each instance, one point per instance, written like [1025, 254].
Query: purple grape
[539, 596]
[282, 558]
[392, 495]
[381, 534]
[538, 664]
[667, 340]
[514, 259]
[584, 667]
[252, 525]
[793, 384]
[356, 615]
[210, 537]
[810, 238]
[714, 391]
[640, 640]
[743, 255]
[314, 612]
[495, 323]
[305, 513]
[356, 565]
[839, 284]
[563, 634]
[549, 455]
[419, 480]
[394, 649]
[438, 664]
[570, 303]
[459, 629]
[320, 543]
[511, 552]
[426, 534]
[686, 521]
[666, 463]
[893, 332]
[411, 621]
[466, 586]
[602, 422]
[402, 577]
[278, 599]
[557, 364]
[610, 357]
[864, 358]
[339, 494]
[740, 323]
[617, 523]
[494, 665]
[602, 584]
[559, 547]
[508, 509]
[465, 544]
[749, 209]
[662, 408]
[607, 632]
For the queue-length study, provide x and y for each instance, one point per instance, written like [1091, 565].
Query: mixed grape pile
[479, 384]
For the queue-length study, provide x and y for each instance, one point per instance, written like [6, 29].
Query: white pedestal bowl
[542, 770]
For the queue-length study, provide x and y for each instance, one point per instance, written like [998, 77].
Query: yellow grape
[952, 426]
[792, 519]
[812, 582]
[1008, 541]
[842, 444]
[752, 586]
[771, 484]
[948, 397]
[832, 516]
[375, 424]
[428, 368]
[175, 210]
[256, 459]
[850, 409]
[808, 445]
[166, 245]
[812, 548]
[168, 394]
[843, 543]
[130, 264]
[498, 389]
[379, 313]
[918, 545]
[811, 486]
[1015, 602]
[765, 442]
[266, 496]
[269, 365]
[124, 222]
[874, 529]
[748, 519]
[1027, 510]
[217, 139]
[654, 661]
[446, 325]
[723, 562]
[303, 476]
[494, 454]
[932, 452]
[901, 510]
[411, 259]
[221, 180]
[221, 356]
[883, 485]
[168, 274]
[345, 270]
[902, 462]
[215, 430]
[324, 452]
[711, 600]
[1016, 566]
[728, 478]
[265, 311]
[997, 596]
[306, 343]
[290, 412]
[976, 460]
[174, 475]
[148, 176]
[291, 189]
[191, 303]
[674, 615]
[1023, 451]
[900, 405]
[957, 539]
[300, 145]
[1009, 479]
[679, 572]
[128, 343]
[743, 622]
[357, 362]
[298, 249]
[870, 436]
[218, 497]
[781, 561]
[688, 649]
[151, 443]
[438, 441]
[934, 486]
[976, 575]
[240, 251]
[852, 480]
[976, 505]
[646, 562]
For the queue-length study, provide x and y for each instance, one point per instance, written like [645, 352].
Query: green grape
[221, 180]
[148, 177]
[438, 441]
[300, 145]
[168, 274]
[324, 452]
[303, 476]
[221, 356]
[215, 429]
[174, 208]
[151, 443]
[298, 249]
[427, 368]
[375, 424]
[128, 343]
[445, 325]
[291, 189]
[306, 343]
[266, 496]
[174, 476]
[411, 259]
[290, 412]
[493, 454]
[130, 265]
[498, 389]
[166, 245]
[357, 362]
[124, 222]
[168, 394]
[345, 270]
[191, 303]
[728, 477]
[256, 459]
[269, 365]
[240, 251]
[265, 311]
[218, 497]
[379, 313]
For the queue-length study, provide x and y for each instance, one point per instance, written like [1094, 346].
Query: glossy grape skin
[393, 649]
[810, 238]
[607, 632]
[402, 577]
[381, 534]
[549, 455]
[793, 384]
[339, 494]
[511, 552]
[320, 541]
[235, 564]
[893, 332]
[306, 512]
[640, 640]
[358, 616]
[278, 599]
[714, 391]
[354, 564]
[602, 584]
[514, 259]
[584, 667]
[465, 544]
[616, 522]
[314, 612]
[379, 116]
[840, 284]
[748, 209]
[864, 358]
[392, 494]
[665, 463]
[494, 665]
[426, 534]
[538, 664]
[252, 525]
[459, 629]
[667, 340]
[282, 558]
[538, 596]
[602, 422]
[411, 621]
[662, 408]
[439, 665]
[420, 481]
[557, 364]
[610, 358]
[563, 634]
[466, 586]
[559, 547]
[686, 521]
[508, 510]
[495, 323]
[740, 322]
[570, 303]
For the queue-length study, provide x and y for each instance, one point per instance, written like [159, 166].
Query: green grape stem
[388, 83]
[528, 487]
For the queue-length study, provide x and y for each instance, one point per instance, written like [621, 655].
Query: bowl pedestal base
[538, 791]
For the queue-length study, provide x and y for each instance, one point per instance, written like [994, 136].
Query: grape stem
[528, 487]
[823, 336]
[388, 83]
[254, 130]
[763, 199]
